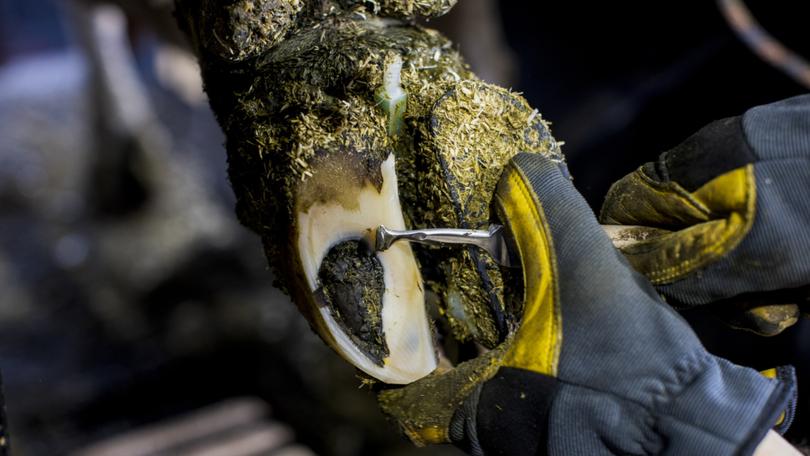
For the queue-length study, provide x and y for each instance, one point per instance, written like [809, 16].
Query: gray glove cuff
[707, 406]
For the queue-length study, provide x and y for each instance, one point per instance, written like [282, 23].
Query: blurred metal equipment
[476, 27]
[236, 427]
[767, 47]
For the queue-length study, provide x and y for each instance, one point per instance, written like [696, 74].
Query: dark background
[623, 82]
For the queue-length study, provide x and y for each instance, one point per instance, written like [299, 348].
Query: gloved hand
[599, 364]
[732, 201]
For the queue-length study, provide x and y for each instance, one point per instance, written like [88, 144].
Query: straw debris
[295, 86]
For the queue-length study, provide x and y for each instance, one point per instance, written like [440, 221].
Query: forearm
[775, 445]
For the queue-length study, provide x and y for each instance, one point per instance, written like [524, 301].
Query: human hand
[732, 217]
[599, 363]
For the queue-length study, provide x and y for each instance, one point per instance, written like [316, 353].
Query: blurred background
[138, 317]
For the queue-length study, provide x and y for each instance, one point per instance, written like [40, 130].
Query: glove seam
[727, 245]
[464, 423]
[648, 407]
[787, 376]
[687, 371]
[674, 188]
[747, 139]
[770, 412]
[688, 267]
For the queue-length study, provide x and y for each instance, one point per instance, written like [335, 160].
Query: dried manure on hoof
[343, 115]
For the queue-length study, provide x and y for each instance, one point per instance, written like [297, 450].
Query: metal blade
[491, 240]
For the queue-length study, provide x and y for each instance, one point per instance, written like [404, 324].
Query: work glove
[727, 217]
[599, 364]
